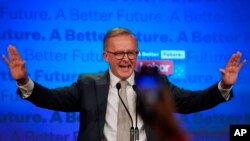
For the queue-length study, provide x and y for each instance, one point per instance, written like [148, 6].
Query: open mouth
[125, 67]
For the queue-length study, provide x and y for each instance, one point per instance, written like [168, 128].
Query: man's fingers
[242, 63]
[16, 53]
[231, 60]
[234, 59]
[237, 59]
[13, 53]
[238, 56]
[18, 63]
[6, 60]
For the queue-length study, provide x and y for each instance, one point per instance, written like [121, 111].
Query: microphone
[118, 86]
[132, 130]
[136, 127]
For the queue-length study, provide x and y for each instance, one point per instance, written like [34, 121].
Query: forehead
[122, 42]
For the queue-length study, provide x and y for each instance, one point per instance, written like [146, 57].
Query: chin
[125, 75]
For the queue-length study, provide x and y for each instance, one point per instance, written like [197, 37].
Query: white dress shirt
[110, 126]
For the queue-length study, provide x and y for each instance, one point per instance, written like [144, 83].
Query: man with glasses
[95, 96]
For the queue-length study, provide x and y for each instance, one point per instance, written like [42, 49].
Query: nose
[125, 57]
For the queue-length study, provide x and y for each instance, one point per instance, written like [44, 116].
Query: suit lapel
[102, 89]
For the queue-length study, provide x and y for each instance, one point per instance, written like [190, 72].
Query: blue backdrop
[61, 39]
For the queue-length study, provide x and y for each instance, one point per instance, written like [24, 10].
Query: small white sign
[173, 54]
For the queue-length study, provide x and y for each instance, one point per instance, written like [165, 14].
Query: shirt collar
[114, 79]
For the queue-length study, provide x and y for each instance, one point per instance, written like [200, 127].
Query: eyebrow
[126, 51]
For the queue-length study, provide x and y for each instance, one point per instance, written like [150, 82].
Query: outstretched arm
[231, 71]
[61, 99]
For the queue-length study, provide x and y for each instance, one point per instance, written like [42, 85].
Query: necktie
[123, 121]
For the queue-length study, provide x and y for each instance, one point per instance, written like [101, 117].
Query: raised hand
[16, 65]
[231, 71]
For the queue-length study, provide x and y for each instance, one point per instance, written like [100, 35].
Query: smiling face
[122, 68]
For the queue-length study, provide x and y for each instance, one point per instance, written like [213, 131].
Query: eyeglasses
[120, 54]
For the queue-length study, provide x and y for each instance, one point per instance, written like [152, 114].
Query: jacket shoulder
[96, 77]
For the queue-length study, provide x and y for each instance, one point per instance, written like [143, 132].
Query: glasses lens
[119, 55]
[131, 55]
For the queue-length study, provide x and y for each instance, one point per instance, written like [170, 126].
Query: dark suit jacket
[89, 97]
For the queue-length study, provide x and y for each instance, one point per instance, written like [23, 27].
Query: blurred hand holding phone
[156, 106]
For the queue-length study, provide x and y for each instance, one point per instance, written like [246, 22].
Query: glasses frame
[117, 53]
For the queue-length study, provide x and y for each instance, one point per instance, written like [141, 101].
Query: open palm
[15, 64]
[231, 71]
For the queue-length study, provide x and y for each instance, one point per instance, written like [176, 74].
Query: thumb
[23, 63]
[5, 59]
[222, 71]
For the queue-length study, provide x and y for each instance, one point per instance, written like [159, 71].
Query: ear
[105, 56]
